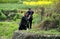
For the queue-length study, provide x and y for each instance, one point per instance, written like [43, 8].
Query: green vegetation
[12, 6]
[2, 16]
[43, 32]
[10, 22]
[7, 29]
[20, 1]
[10, 1]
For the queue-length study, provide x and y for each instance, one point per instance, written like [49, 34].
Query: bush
[48, 24]
[56, 16]
[2, 16]
[17, 16]
[36, 19]
[57, 19]
[51, 22]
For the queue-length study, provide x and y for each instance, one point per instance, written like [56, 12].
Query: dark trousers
[30, 23]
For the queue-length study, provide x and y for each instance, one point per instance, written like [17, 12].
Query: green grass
[7, 29]
[43, 32]
[9, 6]
[8, 1]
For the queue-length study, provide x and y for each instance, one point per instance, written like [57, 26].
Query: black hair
[29, 8]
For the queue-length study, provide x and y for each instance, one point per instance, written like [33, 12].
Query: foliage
[51, 22]
[7, 29]
[58, 7]
[36, 19]
[2, 16]
[43, 32]
[57, 19]
[17, 16]
[16, 1]
[10, 6]
[9, 1]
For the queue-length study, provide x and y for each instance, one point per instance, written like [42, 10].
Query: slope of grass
[9, 1]
[9, 6]
[7, 28]
[43, 32]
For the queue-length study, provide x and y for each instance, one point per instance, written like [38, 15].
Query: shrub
[48, 24]
[17, 16]
[2, 16]
[57, 19]
[51, 22]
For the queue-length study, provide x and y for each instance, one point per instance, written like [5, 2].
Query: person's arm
[29, 16]
[32, 12]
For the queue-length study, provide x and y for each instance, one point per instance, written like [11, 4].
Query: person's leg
[25, 28]
[30, 24]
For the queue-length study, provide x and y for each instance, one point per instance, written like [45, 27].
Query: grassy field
[9, 6]
[7, 29]
[6, 1]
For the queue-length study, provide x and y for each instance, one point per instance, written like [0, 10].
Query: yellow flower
[37, 3]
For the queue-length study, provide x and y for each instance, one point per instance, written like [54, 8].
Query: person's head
[26, 14]
[29, 9]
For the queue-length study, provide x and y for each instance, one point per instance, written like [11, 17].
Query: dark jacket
[24, 20]
[23, 24]
[30, 13]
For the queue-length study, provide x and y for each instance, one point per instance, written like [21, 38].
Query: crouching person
[24, 22]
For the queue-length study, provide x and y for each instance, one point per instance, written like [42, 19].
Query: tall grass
[7, 29]
[9, 6]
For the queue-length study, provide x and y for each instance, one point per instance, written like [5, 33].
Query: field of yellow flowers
[37, 3]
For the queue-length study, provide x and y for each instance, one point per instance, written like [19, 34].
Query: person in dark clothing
[24, 22]
[30, 14]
